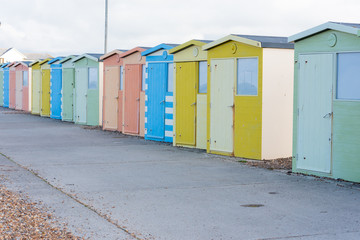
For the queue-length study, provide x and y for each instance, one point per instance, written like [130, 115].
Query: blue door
[55, 89]
[157, 76]
[6, 87]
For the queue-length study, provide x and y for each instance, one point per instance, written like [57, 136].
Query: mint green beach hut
[326, 126]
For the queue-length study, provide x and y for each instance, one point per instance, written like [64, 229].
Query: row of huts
[233, 96]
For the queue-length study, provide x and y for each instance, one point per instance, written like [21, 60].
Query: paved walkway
[124, 185]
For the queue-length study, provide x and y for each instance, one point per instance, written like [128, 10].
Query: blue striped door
[55, 89]
[6, 87]
[157, 76]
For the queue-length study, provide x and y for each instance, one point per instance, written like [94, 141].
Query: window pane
[203, 77]
[170, 85]
[247, 76]
[25, 78]
[143, 77]
[348, 82]
[93, 78]
[121, 78]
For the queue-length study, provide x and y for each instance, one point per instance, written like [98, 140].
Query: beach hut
[113, 90]
[22, 85]
[326, 101]
[35, 87]
[159, 93]
[250, 95]
[45, 88]
[190, 94]
[6, 84]
[68, 88]
[12, 85]
[88, 89]
[55, 87]
[2, 84]
[133, 121]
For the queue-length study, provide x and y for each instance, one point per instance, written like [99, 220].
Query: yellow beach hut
[35, 87]
[190, 94]
[45, 88]
[250, 94]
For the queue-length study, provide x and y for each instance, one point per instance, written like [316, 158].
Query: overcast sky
[64, 27]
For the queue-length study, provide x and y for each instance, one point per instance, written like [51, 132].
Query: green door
[68, 88]
[222, 82]
[80, 95]
[315, 112]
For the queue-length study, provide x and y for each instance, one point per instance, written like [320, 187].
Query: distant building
[11, 55]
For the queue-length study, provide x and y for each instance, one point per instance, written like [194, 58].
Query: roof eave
[109, 54]
[324, 27]
[186, 45]
[156, 48]
[231, 38]
[85, 56]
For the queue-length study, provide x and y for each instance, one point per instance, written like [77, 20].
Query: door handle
[193, 104]
[138, 99]
[328, 115]
[231, 106]
[162, 101]
[116, 97]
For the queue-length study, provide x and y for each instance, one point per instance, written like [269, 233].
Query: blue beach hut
[55, 87]
[159, 93]
[6, 85]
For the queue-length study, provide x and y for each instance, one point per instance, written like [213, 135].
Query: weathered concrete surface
[158, 191]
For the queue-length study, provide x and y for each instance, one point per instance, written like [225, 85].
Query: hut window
[25, 78]
[143, 78]
[348, 83]
[170, 84]
[93, 78]
[247, 76]
[121, 78]
[203, 77]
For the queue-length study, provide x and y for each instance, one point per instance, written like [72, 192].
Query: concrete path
[156, 191]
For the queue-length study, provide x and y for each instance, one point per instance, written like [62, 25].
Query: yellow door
[186, 91]
[45, 93]
[222, 105]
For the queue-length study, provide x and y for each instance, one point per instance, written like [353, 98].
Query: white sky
[64, 27]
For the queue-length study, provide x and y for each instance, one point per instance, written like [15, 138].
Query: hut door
[111, 95]
[18, 90]
[80, 95]
[56, 76]
[36, 86]
[68, 88]
[132, 98]
[45, 92]
[315, 112]
[186, 90]
[157, 77]
[222, 105]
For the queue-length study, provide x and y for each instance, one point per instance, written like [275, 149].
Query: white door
[222, 105]
[81, 86]
[315, 93]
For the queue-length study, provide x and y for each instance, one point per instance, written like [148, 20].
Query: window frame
[236, 77]
[97, 78]
[336, 77]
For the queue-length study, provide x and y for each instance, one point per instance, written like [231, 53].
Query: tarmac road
[109, 186]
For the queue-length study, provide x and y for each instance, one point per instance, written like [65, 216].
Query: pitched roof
[351, 28]
[109, 54]
[25, 63]
[166, 46]
[131, 51]
[254, 40]
[55, 60]
[187, 44]
[37, 56]
[68, 58]
[92, 56]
